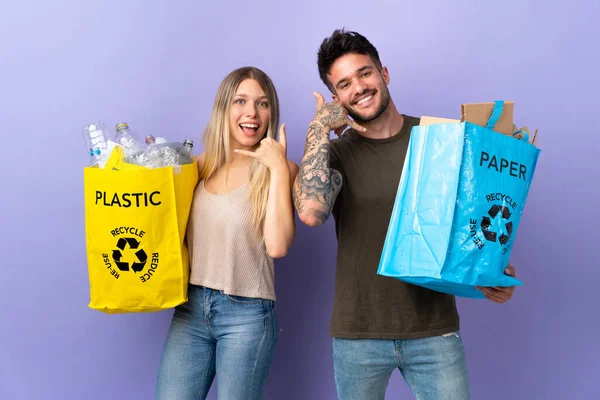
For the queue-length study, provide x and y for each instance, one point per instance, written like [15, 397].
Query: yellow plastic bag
[135, 220]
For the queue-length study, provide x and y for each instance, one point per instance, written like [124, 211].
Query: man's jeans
[435, 367]
[214, 333]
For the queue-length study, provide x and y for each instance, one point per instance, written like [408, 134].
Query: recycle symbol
[141, 255]
[503, 213]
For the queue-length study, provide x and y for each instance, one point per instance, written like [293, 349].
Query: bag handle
[496, 113]
[525, 135]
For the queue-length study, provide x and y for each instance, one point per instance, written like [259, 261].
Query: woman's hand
[272, 153]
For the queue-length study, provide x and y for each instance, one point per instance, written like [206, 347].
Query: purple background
[157, 65]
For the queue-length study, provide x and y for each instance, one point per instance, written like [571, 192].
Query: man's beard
[385, 101]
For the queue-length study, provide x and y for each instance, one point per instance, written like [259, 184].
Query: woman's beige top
[226, 252]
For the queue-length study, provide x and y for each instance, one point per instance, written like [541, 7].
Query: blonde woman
[242, 217]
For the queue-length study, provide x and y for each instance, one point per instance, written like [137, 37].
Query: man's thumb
[320, 98]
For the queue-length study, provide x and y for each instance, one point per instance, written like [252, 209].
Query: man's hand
[332, 116]
[500, 294]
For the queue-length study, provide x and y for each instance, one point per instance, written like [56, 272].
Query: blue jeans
[435, 367]
[214, 333]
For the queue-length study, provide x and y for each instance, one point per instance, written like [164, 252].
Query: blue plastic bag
[459, 202]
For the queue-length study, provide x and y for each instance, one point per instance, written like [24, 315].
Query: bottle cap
[122, 125]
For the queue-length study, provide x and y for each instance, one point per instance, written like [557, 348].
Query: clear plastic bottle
[125, 138]
[153, 156]
[170, 153]
[95, 139]
[185, 154]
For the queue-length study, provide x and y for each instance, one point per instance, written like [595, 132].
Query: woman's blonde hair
[217, 134]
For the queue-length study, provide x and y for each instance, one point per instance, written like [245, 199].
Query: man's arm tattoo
[331, 115]
[319, 214]
[314, 177]
[316, 181]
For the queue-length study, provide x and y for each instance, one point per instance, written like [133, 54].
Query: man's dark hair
[340, 43]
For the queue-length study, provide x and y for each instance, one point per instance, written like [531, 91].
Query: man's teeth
[365, 99]
[249, 126]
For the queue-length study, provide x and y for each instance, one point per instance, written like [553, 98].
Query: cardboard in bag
[518, 135]
[479, 114]
[435, 120]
